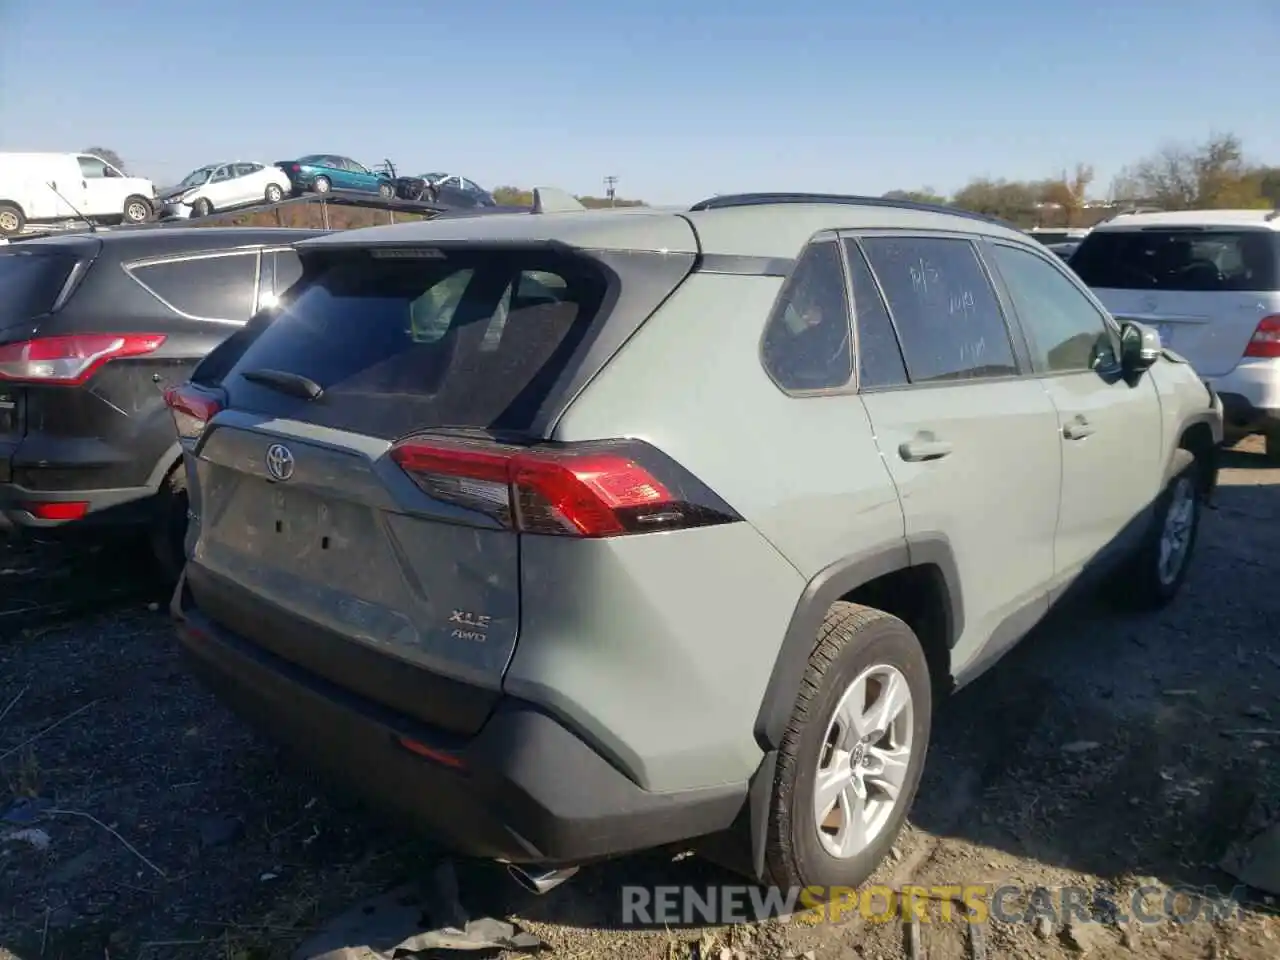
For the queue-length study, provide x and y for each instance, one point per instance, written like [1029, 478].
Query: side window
[880, 362]
[220, 175]
[1066, 331]
[806, 341]
[288, 270]
[211, 288]
[92, 168]
[944, 308]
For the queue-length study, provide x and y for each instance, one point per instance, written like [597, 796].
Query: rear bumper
[105, 509]
[525, 789]
[1250, 396]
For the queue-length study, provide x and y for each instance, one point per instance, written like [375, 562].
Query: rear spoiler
[551, 200]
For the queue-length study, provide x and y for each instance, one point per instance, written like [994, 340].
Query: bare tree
[1214, 173]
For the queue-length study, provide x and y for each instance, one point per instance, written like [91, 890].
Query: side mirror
[1140, 347]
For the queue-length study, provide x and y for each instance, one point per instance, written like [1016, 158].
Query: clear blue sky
[677, 99]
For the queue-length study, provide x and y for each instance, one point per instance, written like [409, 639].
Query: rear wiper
[294, 384]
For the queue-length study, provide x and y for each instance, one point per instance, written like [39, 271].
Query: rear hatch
[1205, 289]
[316, 541]
[36, 278]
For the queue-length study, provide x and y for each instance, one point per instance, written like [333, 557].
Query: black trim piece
[761, 199]
[828, 586]
[759, 799]
[744, 266]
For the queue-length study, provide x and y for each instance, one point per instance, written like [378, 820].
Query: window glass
[1181, 260]
[944, 307]
[880, 361]
[288, 268]
[404, 344]
[1066, 331]
[91, 167]
[31, 281]
[211, 288]
[221, 174]
[806, 343]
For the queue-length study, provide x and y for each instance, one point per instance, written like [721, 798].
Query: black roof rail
[760, 199]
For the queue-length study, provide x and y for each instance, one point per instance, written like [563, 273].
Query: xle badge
[469, 626]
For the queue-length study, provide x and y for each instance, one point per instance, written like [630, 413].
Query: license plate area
[311, 534]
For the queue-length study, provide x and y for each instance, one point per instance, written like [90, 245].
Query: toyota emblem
[279, 462]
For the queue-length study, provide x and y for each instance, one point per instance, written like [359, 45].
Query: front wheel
[168, 531]
[851, 758]
[322, 185]
[274, 193]
[1162, 563]
[137, 210]
[201, 208]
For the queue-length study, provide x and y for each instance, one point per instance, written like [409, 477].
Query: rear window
[1181, 260]
[476, 340]
[30, 283]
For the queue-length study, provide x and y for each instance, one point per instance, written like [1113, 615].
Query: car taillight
[1266, 338]
[71, 360]
[294, 167]
[192, 409]
[604, 489]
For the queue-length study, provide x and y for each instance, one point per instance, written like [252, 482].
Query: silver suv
[571, 534]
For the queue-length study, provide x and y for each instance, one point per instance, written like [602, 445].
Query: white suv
[1209, 281]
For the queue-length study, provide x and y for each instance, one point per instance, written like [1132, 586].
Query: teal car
[322, 172]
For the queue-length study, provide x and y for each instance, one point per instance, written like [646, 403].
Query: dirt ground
[1105, 753]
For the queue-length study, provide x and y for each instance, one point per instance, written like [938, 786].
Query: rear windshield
[1184, 260]
[476, 340]
[30, 282]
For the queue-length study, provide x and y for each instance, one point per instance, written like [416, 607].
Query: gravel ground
[1105, 752]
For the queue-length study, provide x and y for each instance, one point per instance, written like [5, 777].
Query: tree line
[1213, 174]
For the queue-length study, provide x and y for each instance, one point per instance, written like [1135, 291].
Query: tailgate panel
[347, 569]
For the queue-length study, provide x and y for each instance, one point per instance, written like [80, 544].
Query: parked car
[321, 172]
[431, 550]
[445, 189]
[58, 187]
[223, 186]
[1209, 281]
[87, 320]
[1065, 249]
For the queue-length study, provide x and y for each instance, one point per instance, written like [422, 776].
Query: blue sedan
[322, 172]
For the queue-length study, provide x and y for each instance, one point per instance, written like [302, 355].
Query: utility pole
[610, 191]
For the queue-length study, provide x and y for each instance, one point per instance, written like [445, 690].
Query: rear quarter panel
[662, 645]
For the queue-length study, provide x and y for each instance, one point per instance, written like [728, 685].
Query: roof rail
[761, 199]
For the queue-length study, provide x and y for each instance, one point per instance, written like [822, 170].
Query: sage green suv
[567, 534]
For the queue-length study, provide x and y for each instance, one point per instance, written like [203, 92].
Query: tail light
[71, 360]
[192, 409]
[591, 490]
[1265, 341]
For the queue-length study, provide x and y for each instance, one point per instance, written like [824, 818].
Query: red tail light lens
[65, 510]
[192, 409]
[72, 360]
[592, 490]
[1266, 339]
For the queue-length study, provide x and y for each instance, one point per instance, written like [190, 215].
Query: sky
[678, 100]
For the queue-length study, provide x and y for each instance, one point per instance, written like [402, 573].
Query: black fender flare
[825, 588]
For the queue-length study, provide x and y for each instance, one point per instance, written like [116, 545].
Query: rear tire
[322, 185]
[869, 766]
[12, 220]
[169, 525]
[274, 193]
[137, 209]
[386, 191]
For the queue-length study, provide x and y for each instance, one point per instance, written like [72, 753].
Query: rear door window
[880, 362]
[471, 341]
[30, 283]
[944, 307]
[807, 339]
[208, 288]
[1184, 260]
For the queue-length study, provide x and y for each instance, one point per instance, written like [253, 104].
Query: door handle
[1077, 429]
[922, 448]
